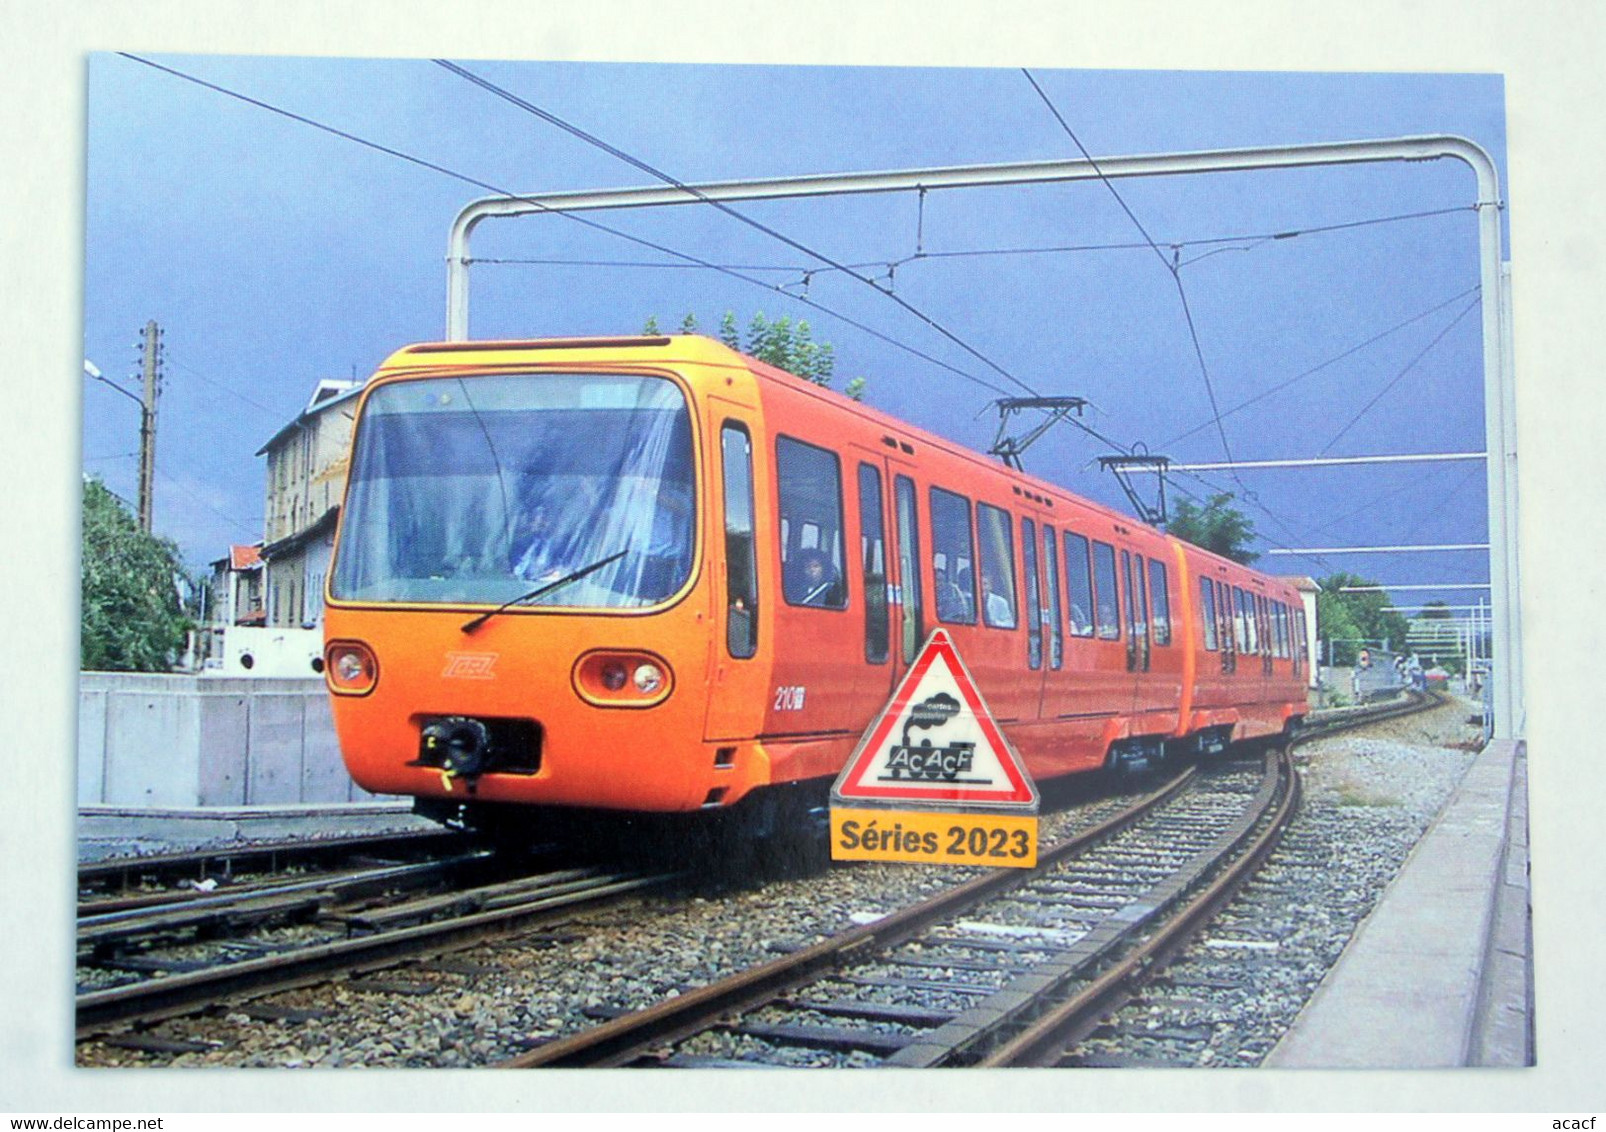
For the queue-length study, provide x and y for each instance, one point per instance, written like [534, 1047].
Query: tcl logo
[470, 666]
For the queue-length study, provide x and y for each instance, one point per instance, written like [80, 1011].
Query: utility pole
[151, 366]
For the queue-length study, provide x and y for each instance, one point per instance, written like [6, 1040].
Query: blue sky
[274, 254]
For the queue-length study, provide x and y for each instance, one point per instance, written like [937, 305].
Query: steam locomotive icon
[928, 762]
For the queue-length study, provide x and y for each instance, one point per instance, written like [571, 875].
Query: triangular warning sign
[935, 743]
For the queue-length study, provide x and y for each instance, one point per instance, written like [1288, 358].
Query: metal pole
[1330, 461]
[1377, 549]
[149, 360]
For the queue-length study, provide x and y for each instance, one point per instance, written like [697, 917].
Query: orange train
[656, 575]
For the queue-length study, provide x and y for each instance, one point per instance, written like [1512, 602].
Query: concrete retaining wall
[181, 741]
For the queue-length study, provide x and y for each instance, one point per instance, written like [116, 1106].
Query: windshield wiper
[545, 589]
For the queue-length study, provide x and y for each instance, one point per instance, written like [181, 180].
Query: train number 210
[790, 699]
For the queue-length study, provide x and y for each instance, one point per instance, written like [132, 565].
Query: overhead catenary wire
[1171, 264]
[1253, 239]
[1408, 367]
[509, 195]
[735, 214]
[1318, 367]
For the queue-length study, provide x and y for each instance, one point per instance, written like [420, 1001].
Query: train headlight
[350, 668]
[622, 678]
[648, 679]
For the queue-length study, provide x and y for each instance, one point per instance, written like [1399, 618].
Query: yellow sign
[999, 840]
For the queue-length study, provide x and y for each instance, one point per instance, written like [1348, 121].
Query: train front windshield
[481, 490]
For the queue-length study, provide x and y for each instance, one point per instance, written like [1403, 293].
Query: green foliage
[133, 620]
[783, 343]
[1217, 526]
[1347, 617]
[651, 329]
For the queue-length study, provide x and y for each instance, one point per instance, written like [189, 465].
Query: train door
[875, 572]
[738, 653]
[817, 679]
[1137, 630]
[1268, 637]
[909, 607]
[1226, 626]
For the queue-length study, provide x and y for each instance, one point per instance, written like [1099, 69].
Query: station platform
[1440, 973]
[121, 831]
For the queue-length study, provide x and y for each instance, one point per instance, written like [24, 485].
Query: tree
[1216, 526]
[1347, 618]
[783, 343]
[133, 618]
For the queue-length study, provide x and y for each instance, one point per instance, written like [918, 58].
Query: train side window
[953, 558]
[995, 530]
[1051, 615]
[1106, 599]
[1279, 626]
[741, 558]
[810, 485]
[1240, 634]
[909, 566]
[873, 554]
[1034, 616]
[1079, 586]
[1160, 600]
[1207, 612]
[1299, 638]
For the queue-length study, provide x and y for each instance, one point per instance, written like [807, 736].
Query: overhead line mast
[151, 370]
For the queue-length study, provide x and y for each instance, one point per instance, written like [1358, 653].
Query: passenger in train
[813, 580]
[951, 603]
[1000, 610]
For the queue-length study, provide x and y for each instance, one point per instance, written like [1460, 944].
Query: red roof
[245, 557]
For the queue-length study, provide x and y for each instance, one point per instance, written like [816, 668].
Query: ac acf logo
[470, 666]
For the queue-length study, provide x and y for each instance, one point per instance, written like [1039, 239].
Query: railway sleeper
[824, 1037]
[870, 1011]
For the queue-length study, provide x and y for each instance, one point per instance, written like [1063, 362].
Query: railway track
[1011, 968]
[155, 956]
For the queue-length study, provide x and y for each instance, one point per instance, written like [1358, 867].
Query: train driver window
[1079, 583]
[1207, 612]
[741, 564]
[1160, 602]
[1106, 600]
[953, 557]
[809, 480]
[996, 530]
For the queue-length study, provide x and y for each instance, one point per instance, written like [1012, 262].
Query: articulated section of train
[653, 574]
